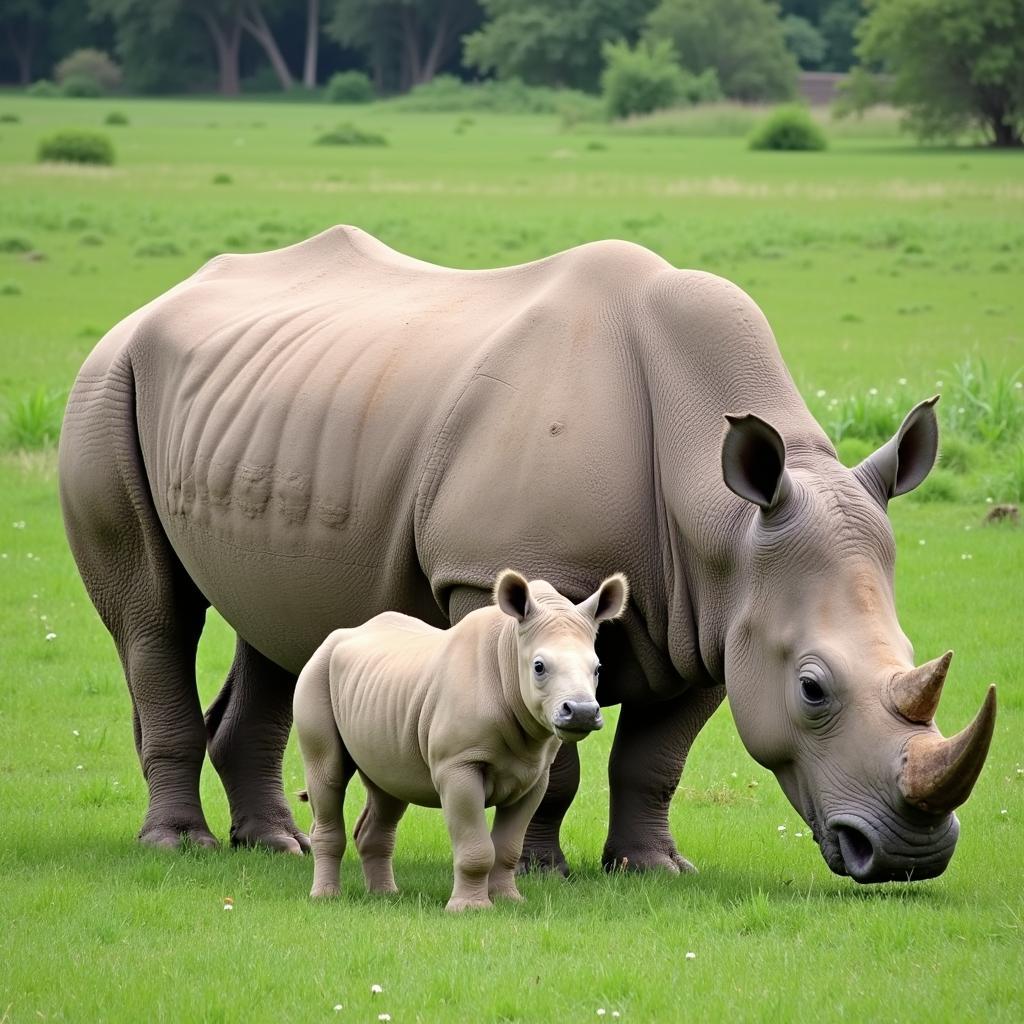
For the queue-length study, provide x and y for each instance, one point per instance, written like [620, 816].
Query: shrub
[14, 244]
[448, 94]
[92, 64]
[348, 134]
[81, 87]
[43, 89]
[220, 178]
[641, 79]
[33, 421]
[349, 87]
[116, 117]
[8, 118]
[158, 249]
[790, 128]
[939, 485]
[75, 145]
[10, 288]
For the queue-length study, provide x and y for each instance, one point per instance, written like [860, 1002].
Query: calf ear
[609, 601]
[906, 458]
[512, 595]
[754, 461]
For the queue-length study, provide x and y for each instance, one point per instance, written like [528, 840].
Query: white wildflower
[337, 1007]
[51, 636]
[922, 542]
[691, 956]
[872, 391]
[376, 990]
[74, 732]
[19, 525]
[601, 1011]
[383, 1016]
[79, 767]
[821, 392]
[902, 382]
[781, 828]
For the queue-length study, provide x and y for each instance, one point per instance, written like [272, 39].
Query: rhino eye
[811, 691]
[538, 667]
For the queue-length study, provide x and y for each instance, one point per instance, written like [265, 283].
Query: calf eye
[597, 671]
[538, 667]
[811, 690]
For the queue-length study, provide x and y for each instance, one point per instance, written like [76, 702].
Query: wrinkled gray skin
[462, 719]
[308, 437]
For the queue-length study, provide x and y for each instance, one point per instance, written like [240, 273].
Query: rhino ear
[754, 461]
[512, 595]
[609, 601]
[906, 458]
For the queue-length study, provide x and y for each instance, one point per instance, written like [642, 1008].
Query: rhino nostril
[567, 710]
[856, 849]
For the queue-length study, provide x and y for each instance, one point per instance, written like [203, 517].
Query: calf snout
[578, 716]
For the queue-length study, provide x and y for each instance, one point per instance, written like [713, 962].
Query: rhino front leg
[462, 799]
[542, 849]
[510, 824]
[651, 744]
[248, 727]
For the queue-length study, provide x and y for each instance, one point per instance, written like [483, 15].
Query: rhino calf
[463, 719]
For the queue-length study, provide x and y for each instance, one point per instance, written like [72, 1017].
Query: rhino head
[820, 677]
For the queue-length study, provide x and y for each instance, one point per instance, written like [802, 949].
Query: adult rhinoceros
[307, 437]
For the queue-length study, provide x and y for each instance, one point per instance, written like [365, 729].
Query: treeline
[754, 47]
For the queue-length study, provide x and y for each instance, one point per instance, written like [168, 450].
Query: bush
[641, 79]
[77, 146]
[81, 87]
[8, 118]
[33, 421]
[88, 63]
[348, 134]
[220, 178]
[115, 117]
[789, 128]
[447, 94]
[15, 244]
[158, 249]
[43, 89]
[349, 87]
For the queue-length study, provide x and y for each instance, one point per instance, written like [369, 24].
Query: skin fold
[306, 438]
[465, 718]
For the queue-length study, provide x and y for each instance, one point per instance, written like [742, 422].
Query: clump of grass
[984, 404]
[91, 241]
[116, 117]
[10, 288]
[8, 118]
[77, 146]
[958, 455]
[222, 179]
[43, 89]
[33, 421]
[14, 244]
[789, 128]
[939, 485]
[348, 134]
[1007, 484]
[158, 249]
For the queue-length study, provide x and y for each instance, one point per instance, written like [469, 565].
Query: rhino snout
[577, 717]
[868, 853]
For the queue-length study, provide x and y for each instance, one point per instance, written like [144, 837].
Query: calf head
[820, 677]
[557, 666]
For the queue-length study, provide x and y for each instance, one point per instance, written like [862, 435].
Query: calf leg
[375, 835]
[248, 726]
[541, 847]
[462, 799]
[647, 759]
[328, 772]
[510, 823]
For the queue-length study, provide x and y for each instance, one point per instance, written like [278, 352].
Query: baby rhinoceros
[464, 718]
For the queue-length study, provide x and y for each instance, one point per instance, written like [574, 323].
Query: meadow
[889, 272]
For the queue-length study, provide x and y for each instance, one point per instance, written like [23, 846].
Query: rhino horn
[915, 694]
[940, 773]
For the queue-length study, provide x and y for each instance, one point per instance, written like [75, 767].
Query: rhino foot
[646, 858]
[543, 859]
[271, 836]
[458, 904]
[177, 836]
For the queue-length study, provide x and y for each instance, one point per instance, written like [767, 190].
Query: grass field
[877, 262]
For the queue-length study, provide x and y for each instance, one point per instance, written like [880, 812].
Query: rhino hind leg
[151, 607]
[651, 744]
[375, 833]
[247, 727]
[542, 850]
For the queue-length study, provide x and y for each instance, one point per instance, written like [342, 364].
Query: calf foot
[324, 891]
[506, 892]
[637, 855]
[272, 835]
[459, 903]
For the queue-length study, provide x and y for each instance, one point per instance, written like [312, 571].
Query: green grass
[876, 262]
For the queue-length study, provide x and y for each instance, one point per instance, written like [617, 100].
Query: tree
[742, 40]
[312, 43]
[254, 21]
[953, 63]
[406, 42]
[837, 26]
[803, 40]
[552, 42]
[22, 22]
[640, 80]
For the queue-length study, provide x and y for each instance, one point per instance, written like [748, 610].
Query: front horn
[940, 773]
